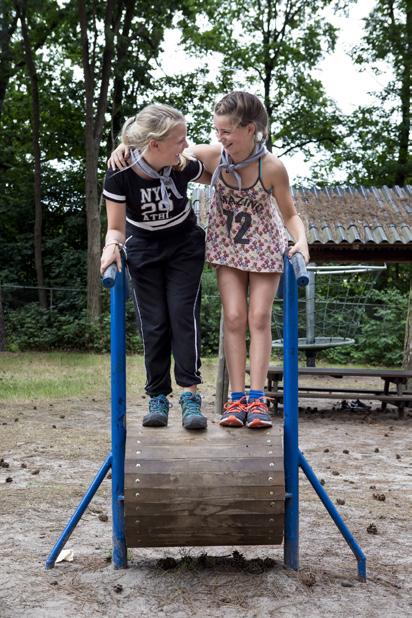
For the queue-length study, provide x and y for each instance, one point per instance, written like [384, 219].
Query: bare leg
[233, 285]
[262, 290]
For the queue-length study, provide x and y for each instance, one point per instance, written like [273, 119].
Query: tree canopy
[71, 71]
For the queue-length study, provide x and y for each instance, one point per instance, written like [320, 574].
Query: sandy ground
[51, 451]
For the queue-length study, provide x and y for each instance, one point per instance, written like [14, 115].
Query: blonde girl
[149, 215]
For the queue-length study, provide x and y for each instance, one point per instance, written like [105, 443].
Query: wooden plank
[171, 495]
[217, 451]
[332, 389]
[337, 394]
[275, 371]
[223, 481]
[140, 507]
[199, 521]
[189, 467]
[267, 531]
[216, 540]
[167, 436]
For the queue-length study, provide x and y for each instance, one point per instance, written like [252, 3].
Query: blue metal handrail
[294, 275]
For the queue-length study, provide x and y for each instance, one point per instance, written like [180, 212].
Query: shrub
[33, 328]
[381, 337]
[210, 313]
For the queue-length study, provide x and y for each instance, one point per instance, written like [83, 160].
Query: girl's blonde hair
[154, 121]
[245, 108]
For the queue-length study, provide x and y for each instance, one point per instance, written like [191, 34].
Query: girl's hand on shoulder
[119, 158]
[301, 246]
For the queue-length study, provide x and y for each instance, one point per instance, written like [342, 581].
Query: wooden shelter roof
[352, 224]
[349, 224]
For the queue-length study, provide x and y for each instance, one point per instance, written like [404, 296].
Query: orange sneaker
[234, 414]
[258, 416]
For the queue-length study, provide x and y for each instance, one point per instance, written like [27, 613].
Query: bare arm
[208, 154]
[281, 190]
[115, 236]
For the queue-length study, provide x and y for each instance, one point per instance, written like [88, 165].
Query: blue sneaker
[234, 413]
[258, 416]
[158, 412]
[192, 417]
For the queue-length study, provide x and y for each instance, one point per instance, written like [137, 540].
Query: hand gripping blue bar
[109, 276]
[299, 268]
[301, 275]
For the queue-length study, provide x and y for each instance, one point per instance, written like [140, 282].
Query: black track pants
[166, 277]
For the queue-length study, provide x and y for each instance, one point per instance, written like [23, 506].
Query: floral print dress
[245, 229]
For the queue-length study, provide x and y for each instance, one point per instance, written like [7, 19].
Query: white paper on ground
[65, 554]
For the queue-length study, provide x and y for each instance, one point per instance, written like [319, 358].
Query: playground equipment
[218, 487]
[172, 488]
[334, 306]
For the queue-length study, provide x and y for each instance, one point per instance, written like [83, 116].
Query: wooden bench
[399, 397]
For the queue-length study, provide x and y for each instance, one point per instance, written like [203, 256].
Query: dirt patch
[51, 451]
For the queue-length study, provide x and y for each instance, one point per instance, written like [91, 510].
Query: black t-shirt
[146, 211]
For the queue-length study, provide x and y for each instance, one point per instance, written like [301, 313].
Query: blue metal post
[118, 394]
[290, 406]
[330, 507]
[65, 535]
[115, 460]
[295, 274]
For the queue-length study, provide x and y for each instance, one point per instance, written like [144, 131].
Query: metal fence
[16, 296]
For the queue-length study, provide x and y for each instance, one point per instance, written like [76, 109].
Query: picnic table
[398, 395]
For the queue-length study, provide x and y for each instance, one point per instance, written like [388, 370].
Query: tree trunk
[407, 351]
[6, 32]
[118, 85]
[405, 95]
[35, 126]
[2, 327]
[93, 134]
[222, 377]
[9, 64]
[93, 229]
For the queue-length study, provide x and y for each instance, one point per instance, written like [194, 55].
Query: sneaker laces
[233, 406]
[192, 405]
[159, 404]
[258, 406]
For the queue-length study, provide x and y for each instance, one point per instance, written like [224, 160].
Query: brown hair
[244, 108]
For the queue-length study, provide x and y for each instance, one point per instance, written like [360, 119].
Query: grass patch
[54, 375]
[57, 375]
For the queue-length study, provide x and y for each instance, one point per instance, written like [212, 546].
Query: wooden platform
[398, 396]
[202, 488]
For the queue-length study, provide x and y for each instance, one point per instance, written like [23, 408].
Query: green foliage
[194, 94]
[210, 313]
[380, 340]
[32, 328]
[28, 327]
[272, 48]
[68, 327]
[375, 149]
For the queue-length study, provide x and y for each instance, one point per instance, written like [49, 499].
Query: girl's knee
[235, 321]
[259, 320]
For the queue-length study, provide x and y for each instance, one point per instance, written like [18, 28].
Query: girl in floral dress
[246, 240]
